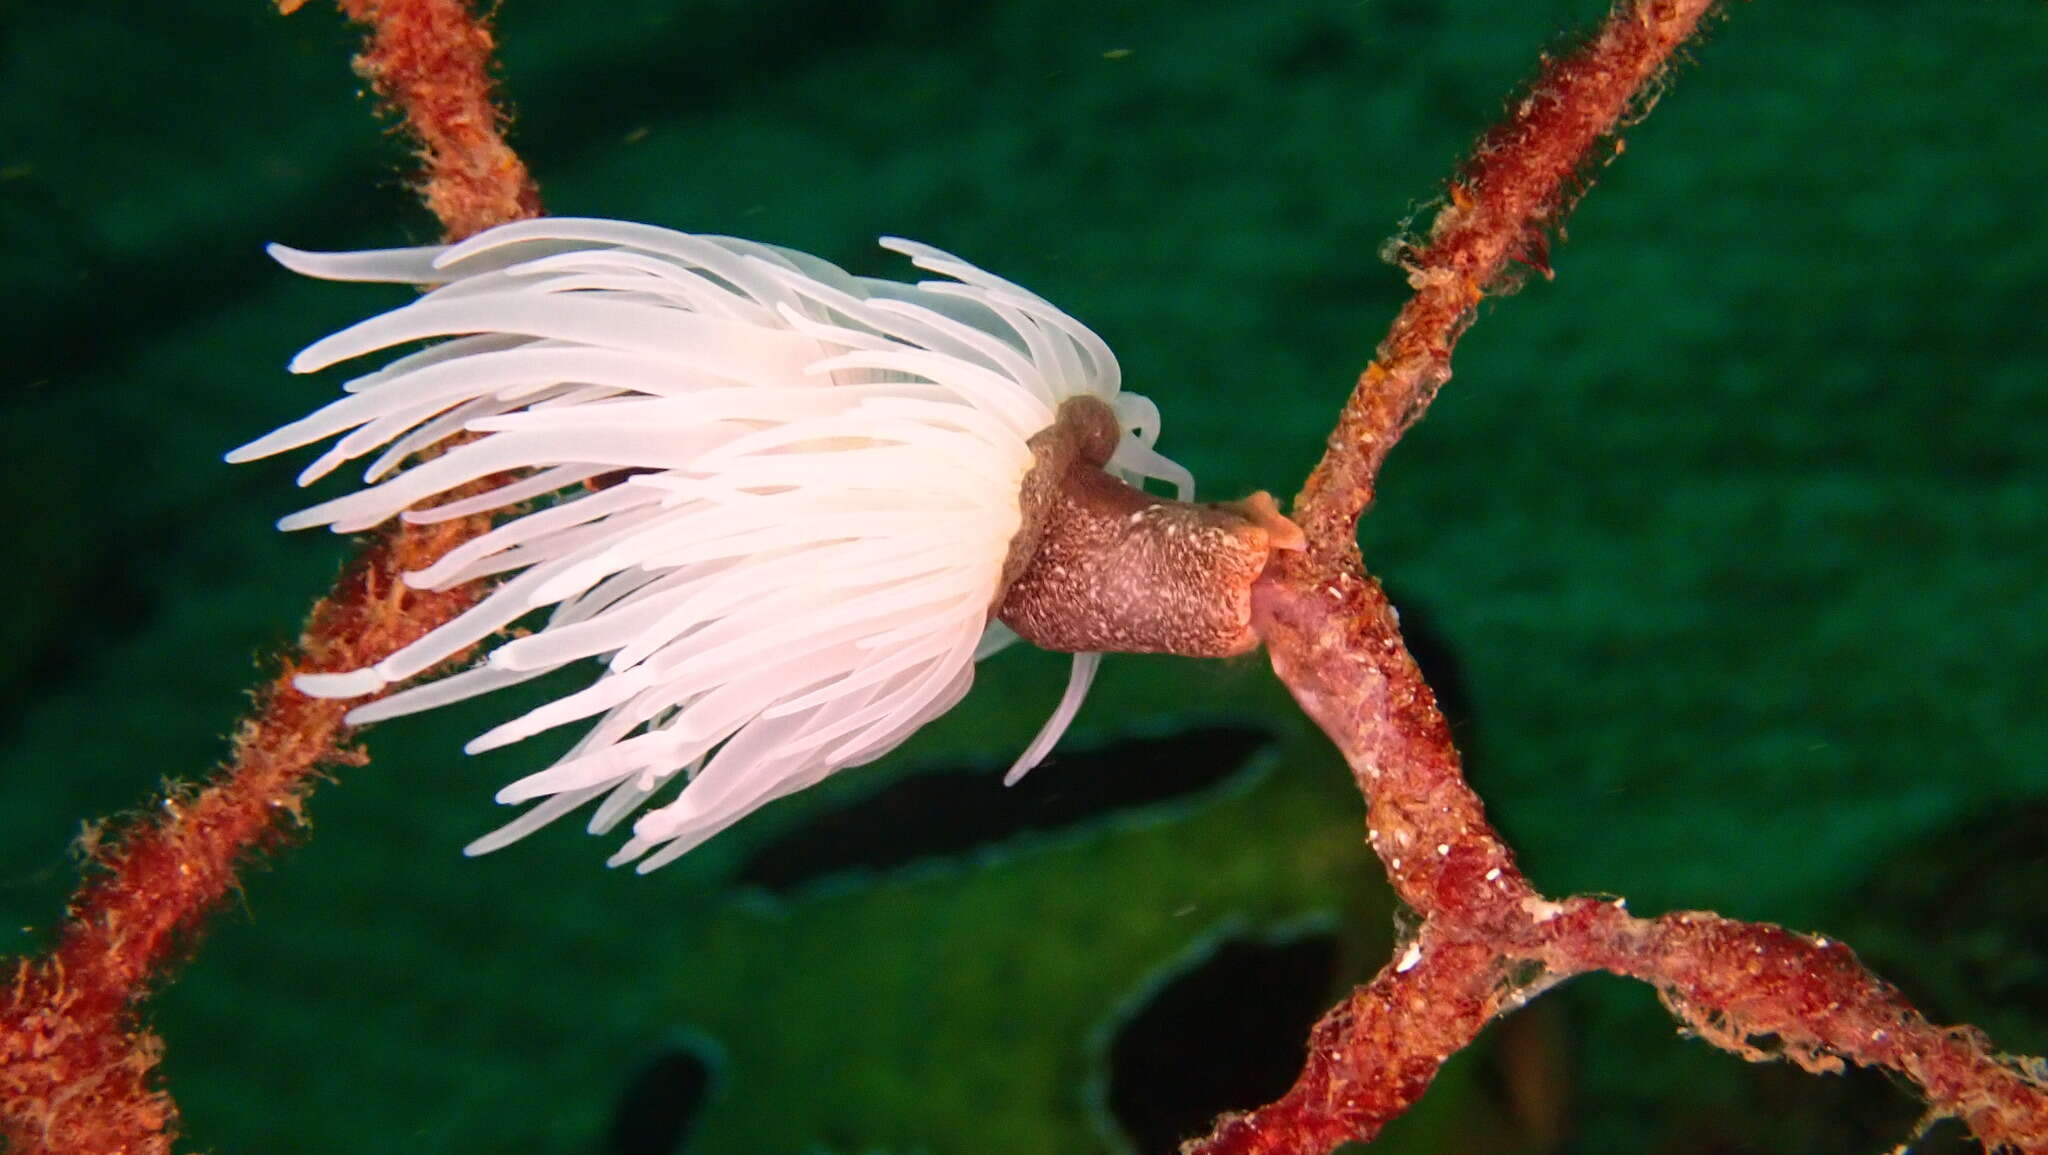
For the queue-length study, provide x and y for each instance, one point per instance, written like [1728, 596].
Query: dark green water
[1733, 536]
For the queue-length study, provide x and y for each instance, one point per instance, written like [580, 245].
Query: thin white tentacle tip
[494, 738]
[353, 684]
[299, 520]
[514, 793]
[305, 264]
[433, 577]
[376, 711]
[634, 849]
[297, 260]
[1024, 766]
[917, 251]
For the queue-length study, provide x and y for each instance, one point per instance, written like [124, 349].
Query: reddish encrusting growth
[1768, 993]
[1334, 639]
[431, 61]
[78, 1069]
[1487, 938]
[1519, 184]
[1374, 1054]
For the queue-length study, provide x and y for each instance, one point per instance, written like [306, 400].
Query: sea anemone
[782, 505]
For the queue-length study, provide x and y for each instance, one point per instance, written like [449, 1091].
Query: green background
[1733, 534]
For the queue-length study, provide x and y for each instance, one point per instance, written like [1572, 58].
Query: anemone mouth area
[952, 812]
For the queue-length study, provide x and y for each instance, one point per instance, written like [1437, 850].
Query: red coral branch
[77, 1068]
[1768, 993]
[431, 59]
[1375, 1054]
[1519, 183]
[77, 1073]
[1487, 938]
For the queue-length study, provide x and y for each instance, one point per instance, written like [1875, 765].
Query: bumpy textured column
[1102, 565]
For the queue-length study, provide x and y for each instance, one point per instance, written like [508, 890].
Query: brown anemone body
[1100, 565]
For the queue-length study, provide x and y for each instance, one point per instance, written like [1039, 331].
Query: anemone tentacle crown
[778, 503]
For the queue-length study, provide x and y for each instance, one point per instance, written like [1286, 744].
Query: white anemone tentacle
[821, 481]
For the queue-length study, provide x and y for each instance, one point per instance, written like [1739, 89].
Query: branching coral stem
[1519, 183]
[77, 1072]
[1334, 640]
[432, 61]
[77, 1068]
[1768, 993]
[1487, 938]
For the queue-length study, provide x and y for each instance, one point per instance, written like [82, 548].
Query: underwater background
[1726, 549]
